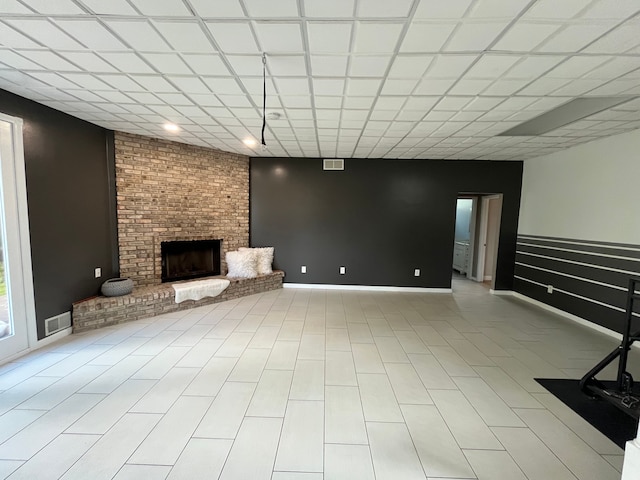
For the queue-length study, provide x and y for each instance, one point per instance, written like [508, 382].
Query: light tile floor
[310, 385]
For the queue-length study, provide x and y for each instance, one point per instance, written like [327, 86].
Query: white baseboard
[371, 288]
[570, 316]
[503, 293]
[41, 343]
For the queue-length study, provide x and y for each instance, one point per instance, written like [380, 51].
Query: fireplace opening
[186, 259]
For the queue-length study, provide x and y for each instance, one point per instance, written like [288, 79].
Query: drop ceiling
[349, 78]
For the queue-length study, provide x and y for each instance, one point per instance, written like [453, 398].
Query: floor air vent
[57, 323]
[333, 164]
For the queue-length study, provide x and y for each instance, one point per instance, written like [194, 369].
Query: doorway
[476, 238]
[17, 309]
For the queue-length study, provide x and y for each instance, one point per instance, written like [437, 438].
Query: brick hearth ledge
[152, 300]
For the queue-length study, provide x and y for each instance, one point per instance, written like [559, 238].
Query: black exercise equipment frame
[622, 395]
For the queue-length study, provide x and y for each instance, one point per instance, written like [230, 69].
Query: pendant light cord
[264, 97]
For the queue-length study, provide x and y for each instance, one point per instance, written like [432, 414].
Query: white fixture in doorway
[488, 238]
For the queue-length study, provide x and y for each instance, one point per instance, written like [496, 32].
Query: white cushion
[265, 258]
[242, 264]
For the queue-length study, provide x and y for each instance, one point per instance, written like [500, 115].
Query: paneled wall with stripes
[586, 278]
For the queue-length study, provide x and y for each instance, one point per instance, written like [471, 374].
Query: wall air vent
[57, 323]
[565, 114]
[333, 164]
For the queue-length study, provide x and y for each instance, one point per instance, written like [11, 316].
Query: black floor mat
[608, 419]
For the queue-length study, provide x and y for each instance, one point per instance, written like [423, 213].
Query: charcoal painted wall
[381, 219]
[69, 170]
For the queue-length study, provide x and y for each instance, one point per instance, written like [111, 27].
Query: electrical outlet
[549, 288]
[98, 272]
[303, 269]
[343, 270]
[416, 272]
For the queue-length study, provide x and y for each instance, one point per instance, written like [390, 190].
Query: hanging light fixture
[264, 98]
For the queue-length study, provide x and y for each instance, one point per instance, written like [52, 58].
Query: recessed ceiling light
[171, 127]
[249, 142]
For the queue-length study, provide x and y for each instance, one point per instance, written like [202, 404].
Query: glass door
[17, 312]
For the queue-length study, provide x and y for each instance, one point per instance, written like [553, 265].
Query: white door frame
[482, 238]
[17, 240]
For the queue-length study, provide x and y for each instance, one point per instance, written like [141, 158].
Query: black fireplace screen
[182, 260]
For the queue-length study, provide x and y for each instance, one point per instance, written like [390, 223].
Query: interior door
[16, 288]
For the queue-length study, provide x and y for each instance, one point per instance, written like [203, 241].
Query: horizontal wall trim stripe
[621, 246]
[590, 279]
[618, 309]
[595, 282]
[581, 252]
[371, 288]
[575, 262]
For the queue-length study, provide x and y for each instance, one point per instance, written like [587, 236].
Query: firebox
[186, 259]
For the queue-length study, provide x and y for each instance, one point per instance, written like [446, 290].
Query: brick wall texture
[172, 191]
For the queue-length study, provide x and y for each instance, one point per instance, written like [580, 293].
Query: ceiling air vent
[333, 164]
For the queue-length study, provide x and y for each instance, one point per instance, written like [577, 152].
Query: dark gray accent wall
[381, 219]
[589, 279]
[71, 201]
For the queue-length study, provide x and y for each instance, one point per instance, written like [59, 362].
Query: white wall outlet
[549, 288]
[98, 272]
[416, 272]
[303, 269]
[343, 270]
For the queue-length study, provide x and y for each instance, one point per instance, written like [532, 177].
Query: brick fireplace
[172, 191]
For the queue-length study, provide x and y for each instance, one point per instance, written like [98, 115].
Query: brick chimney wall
[173, 191]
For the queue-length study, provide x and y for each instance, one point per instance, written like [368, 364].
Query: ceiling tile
[612, 9]
[426, 37]
[185, 36]
[89, 61]
[92, 34]
[534, 66]
[122, 82]
[190, 85]
[279, 37]
[12, 59]
[450, 66]
[329, 37]
[358, 102]
[326, 86]
[228, 86]
[619, 40]
[469, 86]
[286, 65]
[363, 87]
[552, 9]
[453, 103]
[389, 103]
[45, 32]
[127, 62]
[544, 86]
[54, 80]
[254, 86]
[434, 86]
[474, 37]
[368, 66]
[492, 66]
[140, 35]
[386, 9]
[234, 37]
[154, 83]
[577, 66]
[377, 37]
[112, 7]
[272, 8]
[59, 7]
[155, 8]
[328, 102]
[497, 8]
[13, 38]
[410, 66]
[398, 86]
[438, 9]
[329, 66]
[244, 65]
[573, 38]
[218, 9]
[50, 60]
[329, 8]
[292, 86]
[615, 67]
[13, 6]
[524, 37]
